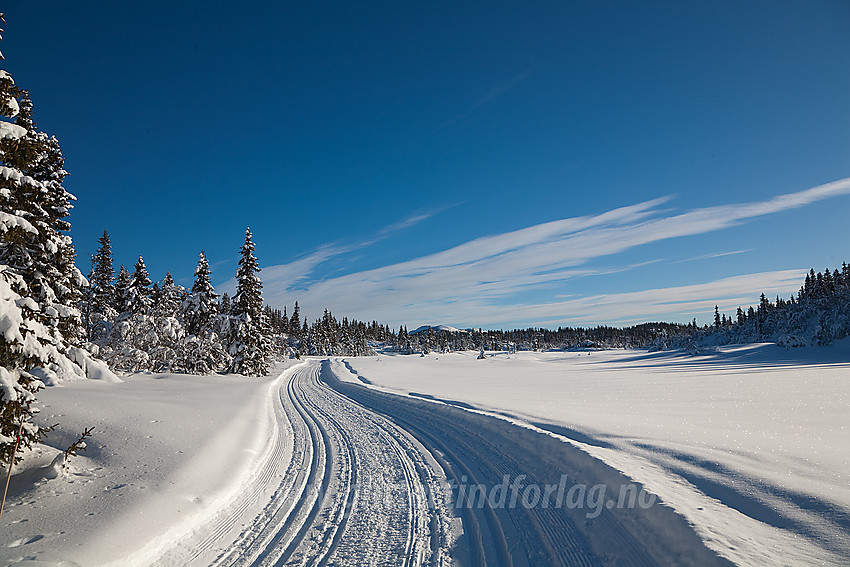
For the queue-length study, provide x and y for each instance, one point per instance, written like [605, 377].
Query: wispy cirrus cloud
[653, 304]
[491, 95]
[411, 221]
[478, 282]
[303, 268]
[714, 255]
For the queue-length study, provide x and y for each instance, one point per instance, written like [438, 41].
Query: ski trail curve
[339, 486]
[355, 476]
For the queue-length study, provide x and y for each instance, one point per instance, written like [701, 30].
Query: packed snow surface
[750, 443]
[347, 462]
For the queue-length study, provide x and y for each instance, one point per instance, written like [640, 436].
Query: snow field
[302, 469]
[748, 443]
[479, 452]
[168, 455]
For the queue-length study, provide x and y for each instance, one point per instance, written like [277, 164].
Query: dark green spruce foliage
[202, 305]
[250, 345]
[101, 308]
[39, 284]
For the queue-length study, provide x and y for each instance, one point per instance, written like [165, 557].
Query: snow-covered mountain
[444, 328]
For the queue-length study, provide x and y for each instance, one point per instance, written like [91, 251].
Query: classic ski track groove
[307, 519]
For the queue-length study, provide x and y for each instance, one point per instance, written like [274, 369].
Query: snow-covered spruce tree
[121, 294]
[39, 285]
[167, 298]
[819, 315]
[249, 343]
[134, 334]
[163, 315]
[224, 306]
[284, 322]
[58, 280]
[139, 289]
[295, 322]
[200, 351]
[201, 307]
[101, 294]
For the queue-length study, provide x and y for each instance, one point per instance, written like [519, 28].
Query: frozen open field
[749, 443]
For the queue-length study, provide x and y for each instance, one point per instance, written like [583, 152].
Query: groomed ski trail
[356, 476]
[339, 486]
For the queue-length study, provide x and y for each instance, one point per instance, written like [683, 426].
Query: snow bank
[75, 364]
[93, 368]
[749, 442]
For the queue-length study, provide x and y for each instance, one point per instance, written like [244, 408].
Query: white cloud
[409, 221]
[653, 304]
[715, 255]
[472, 283]
[293, 273]
[288, 276]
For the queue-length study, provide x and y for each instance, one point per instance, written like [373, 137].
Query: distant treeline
[134, 324]
[330, 337]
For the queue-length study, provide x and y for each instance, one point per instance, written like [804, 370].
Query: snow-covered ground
[224, 470]
[747, 443]
[750, 443]
[166, 452]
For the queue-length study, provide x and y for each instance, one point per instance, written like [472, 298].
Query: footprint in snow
[25, 541]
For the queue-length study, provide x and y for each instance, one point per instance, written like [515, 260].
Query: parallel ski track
[294, 497]
[307, 521]
[342, 447]
[375, 436]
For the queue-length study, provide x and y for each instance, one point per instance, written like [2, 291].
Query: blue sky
[467, 163]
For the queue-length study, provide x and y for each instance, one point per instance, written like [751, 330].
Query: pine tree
[32, 301]
[121, 293]
[168, 297]
[295, 321]
[201, 307]
[250, 346]
[164, 329]
[284, 322]
[56, 276]
[101, 293]
[138, 291]
[136, 334]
